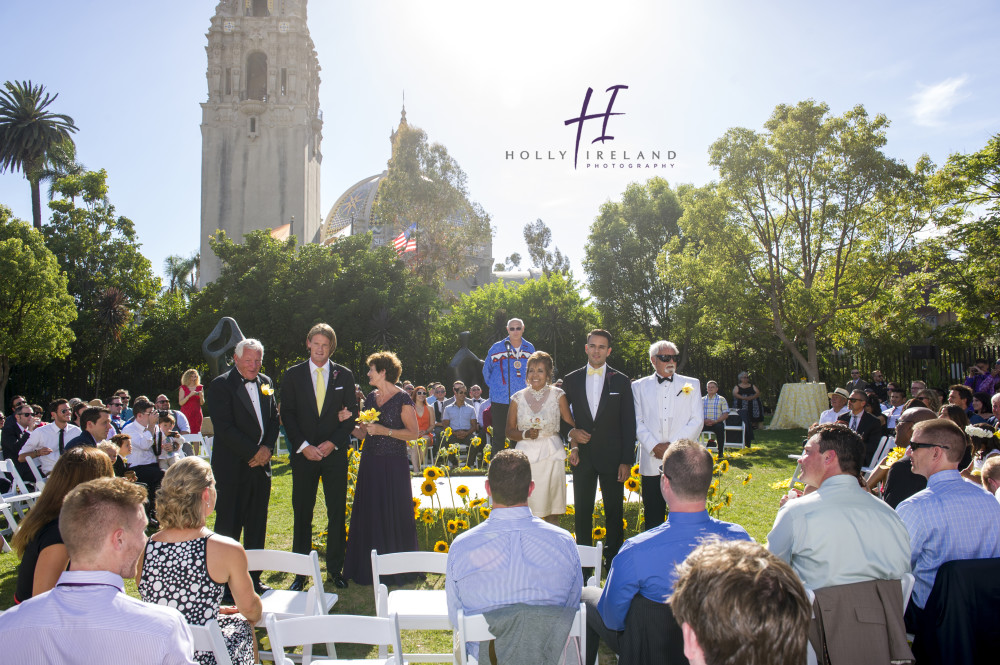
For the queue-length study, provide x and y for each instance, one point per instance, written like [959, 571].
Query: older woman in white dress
[533, 422]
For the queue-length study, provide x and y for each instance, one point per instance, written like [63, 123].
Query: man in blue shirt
[950, 519]
[645, 563]
[461, 418]
[512, 557]
[506, 370]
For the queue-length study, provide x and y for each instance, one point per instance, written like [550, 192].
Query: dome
[354, 207]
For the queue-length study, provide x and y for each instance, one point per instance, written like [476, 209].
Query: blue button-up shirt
[511, 558]
[951, 519]
[645, 563]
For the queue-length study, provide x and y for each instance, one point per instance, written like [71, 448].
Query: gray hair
[654, 348]
[742, 375]
[513, 320]
[252, 344]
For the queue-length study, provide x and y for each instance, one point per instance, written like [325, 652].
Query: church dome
[352, 213]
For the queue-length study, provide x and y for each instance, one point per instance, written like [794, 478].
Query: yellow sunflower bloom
[489, 430]
[484, 512]
[729, 498]
[486, 457]
[624, 523]
[452, 526]
[475, 503]
[724, 466]
[441, 546]
[416, 513]
[748, 478]
[462, 491]
[462, 524]
[447, 432]
[428, 516]
[599, 532]
[632, 485]
[416, 502]
[432, 473]
[571, 510]
[428, 488]
[635, 470]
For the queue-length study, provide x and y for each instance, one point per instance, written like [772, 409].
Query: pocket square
[613, 394]
[339, 388]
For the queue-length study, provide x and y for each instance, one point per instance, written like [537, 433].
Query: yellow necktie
[593, 370]
[320, 390]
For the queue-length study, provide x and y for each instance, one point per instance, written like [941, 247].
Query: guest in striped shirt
[716, 412]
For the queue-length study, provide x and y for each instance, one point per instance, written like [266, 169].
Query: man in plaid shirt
[716, 412]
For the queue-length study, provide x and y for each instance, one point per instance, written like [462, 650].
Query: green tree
[425, 186]
[29, 133]
[98, 250]
[621, 261]
[538, 236]
[816, 215]
[35, 307]
[182, 273]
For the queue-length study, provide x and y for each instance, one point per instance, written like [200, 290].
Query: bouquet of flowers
[368, 417]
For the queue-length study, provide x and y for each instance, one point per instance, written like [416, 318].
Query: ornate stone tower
[261, 126]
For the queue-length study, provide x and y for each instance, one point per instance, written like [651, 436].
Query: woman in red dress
[192, 396]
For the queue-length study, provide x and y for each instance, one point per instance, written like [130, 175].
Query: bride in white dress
[533, 422]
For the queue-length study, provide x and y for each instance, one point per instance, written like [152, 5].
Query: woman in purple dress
[382, 517]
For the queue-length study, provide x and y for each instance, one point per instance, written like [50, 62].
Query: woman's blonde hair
[189, 374]
[178, 501]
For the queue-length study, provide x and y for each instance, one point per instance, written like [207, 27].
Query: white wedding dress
[540, 410]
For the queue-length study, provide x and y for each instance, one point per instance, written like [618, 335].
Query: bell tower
[261, 127]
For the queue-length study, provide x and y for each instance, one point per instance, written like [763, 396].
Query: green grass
[753, 506]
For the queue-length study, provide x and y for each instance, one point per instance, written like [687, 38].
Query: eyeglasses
[915, 445]
[856, 399]
[667, 357]
[19, 405]
[115, 404]
[24, 413]
[515, 329]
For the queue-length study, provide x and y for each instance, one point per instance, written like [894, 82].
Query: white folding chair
[797, 474]
[282, 603]
[209, 638]
[11, 527]
[304, 631]
[193, 439]
[741, 428]
[36, 472]
[884, 445]
[417, 609]
[473, 628]
[18, 497]
[592, 556]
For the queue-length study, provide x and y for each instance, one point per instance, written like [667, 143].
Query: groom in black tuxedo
[318, 409]
[602, 445]
[241, 404]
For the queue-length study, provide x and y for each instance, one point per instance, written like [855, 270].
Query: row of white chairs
[885, 444]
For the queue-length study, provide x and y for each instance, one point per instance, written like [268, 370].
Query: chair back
[880, 450]
[209, 638]
[298, 564]
[408, 562]
[330, 629]
[592, 556]
[36, 472]
[474, 628]
[17, 483]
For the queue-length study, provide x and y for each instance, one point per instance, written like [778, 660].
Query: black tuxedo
[12, 439]
[612, 443]
[870, 431]
[243, 492]
[304, 424]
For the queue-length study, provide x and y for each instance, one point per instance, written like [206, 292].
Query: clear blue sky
[485, 78]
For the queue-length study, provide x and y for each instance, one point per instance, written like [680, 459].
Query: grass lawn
[753, 506]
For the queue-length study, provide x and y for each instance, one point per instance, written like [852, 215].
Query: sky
[488, 79]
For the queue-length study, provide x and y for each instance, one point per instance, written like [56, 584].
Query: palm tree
[183, 273]
[59, 163]
[29, 133]
[112, 315]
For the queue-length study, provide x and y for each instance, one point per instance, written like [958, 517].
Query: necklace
[535, 398]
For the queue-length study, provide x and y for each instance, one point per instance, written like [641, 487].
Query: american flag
[406, 241]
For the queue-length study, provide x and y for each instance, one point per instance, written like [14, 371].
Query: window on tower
[284, 81]
[257, 76]
[258, 7]
[229, 81]
[253, 125]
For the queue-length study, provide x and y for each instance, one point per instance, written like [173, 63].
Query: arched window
[257, 76]
[259, 7]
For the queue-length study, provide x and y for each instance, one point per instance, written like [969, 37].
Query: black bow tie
[246, 380]
[661, 379]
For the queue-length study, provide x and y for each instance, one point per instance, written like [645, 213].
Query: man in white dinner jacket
[668, 407]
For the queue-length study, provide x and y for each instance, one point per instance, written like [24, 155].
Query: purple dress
[382, 517]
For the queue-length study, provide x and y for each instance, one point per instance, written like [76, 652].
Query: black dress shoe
[338, 581]
[261, 588]
[299, 583]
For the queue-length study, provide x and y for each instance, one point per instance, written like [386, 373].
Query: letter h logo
[583, 116]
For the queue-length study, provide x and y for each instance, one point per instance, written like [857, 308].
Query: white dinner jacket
[664, 412]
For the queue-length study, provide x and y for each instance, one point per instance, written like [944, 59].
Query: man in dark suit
[17, 429]
[602, 445]
[318, 409]
[868, 427]
[241, 403]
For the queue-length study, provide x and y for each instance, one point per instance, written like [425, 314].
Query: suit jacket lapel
[244, 396]
[605, 391]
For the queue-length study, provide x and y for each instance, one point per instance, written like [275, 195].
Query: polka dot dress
[176, 575]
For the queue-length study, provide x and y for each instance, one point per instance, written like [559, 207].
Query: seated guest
[874, 407]
[38, 542]
[95, 421]
[904, 483]
[47, 442]
[461, 418]
[737, 603]
[995, 418]
[88, 617]
[941, 519]
[868, 427]
[186, 558]
[897, 399]
[961, 395]
[512, 557]
[991, 476]
[985, 445]
[981, 409]
[838, 406]
[645, 564]
[118, 449]
[17, 430]
[839, 534]
[931, 398]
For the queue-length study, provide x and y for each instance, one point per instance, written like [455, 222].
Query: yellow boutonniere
[687, 389]
[267, 389]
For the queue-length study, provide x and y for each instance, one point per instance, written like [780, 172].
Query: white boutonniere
[686, 389]
[267, 389]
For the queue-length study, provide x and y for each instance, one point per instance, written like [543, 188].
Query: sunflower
[416, 513]
[441, 546]
[484, 512]
[724, 466]
[624, 523]
[729, 498]
[632, 485]
[599, 532]
[452, 526]
[432, 473]
[571, 510]
[462, 491]
[428, 488]
[475, 503]
[447, 432]
[489, 430]
[635, 471]
[486, 457]
[462, 524]
[748, 478]
[428, 516]
[416, 502]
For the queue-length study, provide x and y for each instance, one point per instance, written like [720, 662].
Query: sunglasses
[915, 445]
[421, 392]
[459, 392]
[856, 399]
[515, 329]
[667, 357]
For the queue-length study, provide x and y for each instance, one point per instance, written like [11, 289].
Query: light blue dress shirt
[951, 519]
[511, 558]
